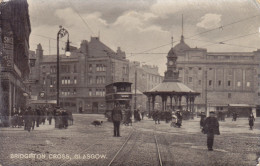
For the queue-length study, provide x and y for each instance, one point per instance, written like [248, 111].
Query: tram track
[125, 158]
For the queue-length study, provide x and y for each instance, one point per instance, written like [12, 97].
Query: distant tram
[118, 92]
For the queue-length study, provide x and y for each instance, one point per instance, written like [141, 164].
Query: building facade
[227, 81]
[146, 78]
[83, 76]
[104, 66]
[15, 30]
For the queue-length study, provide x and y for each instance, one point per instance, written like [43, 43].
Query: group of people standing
[29, 117]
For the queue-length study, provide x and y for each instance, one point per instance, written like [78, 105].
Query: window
[51, 81]
[90, 92]
[44, 81]
[101, 67]
[90, 68]
[248, 84]
[210, 82]
[199, 82]
[103, 92]
[229, 95]
[229, 83]
[74, 91]
[190, 68]
[238, 84]
[90, 80]
[199, 68]
[219, 82]
[75, 80]
[68, 80]
[190, 79]
[97, 67]
[210, 68]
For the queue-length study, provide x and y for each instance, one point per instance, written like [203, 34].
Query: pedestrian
[43, 113]
[202, 119]
[234, 114]
[142, 113]
[49, 116]
[38, 116]
[251, 120]
[28, 119]
[116, 118]
[64, 116]
[179, 118]
[211, 127]
[80, 110]
[34, 117]
[156, 117]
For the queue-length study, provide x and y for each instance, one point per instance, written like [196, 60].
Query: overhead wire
[86, 24]
[220, 27]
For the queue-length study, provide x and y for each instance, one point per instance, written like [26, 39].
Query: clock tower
[172, 73]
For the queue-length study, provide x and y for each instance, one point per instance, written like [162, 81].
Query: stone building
[14, 54]
[104, 66]
[147, 77]
[227, 81]
[83, 76]
[43, 78]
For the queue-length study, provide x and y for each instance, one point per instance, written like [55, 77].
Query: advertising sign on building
[7, 53]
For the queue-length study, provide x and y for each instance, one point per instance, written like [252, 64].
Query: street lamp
[62, 32]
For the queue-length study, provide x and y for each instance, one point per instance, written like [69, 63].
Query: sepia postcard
[129, 82]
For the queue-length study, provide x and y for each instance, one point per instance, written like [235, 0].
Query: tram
[118, 93]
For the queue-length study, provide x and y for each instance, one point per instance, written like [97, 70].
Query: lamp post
[62, 32]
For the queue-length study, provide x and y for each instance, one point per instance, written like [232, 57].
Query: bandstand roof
[171, 88]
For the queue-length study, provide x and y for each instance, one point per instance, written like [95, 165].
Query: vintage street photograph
[129, 82]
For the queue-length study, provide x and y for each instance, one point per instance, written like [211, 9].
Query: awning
[239, 105]
[42, 101]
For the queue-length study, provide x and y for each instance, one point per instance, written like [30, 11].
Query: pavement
[85, 144]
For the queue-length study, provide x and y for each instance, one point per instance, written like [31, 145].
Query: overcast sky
[140, 25]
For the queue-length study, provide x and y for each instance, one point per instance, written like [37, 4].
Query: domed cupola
[182, 46]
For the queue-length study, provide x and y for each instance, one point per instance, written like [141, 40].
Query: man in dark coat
[38, 116]
[202, 119]
[251, 120]
[28, 119]
[211, 127]
[64, 115]
[116, 118]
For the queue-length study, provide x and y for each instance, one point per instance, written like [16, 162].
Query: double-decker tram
[118, 93]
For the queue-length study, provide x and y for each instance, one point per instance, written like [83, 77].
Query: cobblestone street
[85, 144]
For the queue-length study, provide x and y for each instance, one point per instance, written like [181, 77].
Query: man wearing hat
[211, 127]
[116, 118]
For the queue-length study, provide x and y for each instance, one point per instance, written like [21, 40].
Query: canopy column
[149, 106]
[153, 101]
[180, 101]
[192, 99]
[171, 102]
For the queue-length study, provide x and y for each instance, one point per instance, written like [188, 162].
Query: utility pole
[206, 89]
[135, 87]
